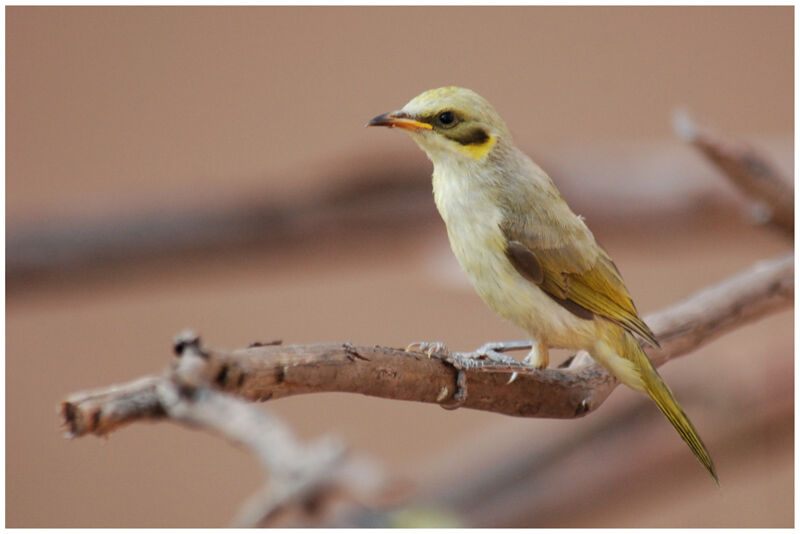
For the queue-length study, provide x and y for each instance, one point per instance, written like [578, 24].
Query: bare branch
[266, 372]
[105, 410]
[373, 197]
[748, 170]
[767, 287]
[298, 472]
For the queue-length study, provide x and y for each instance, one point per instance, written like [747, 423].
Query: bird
[528, 255]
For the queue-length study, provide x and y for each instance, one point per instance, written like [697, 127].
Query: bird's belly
[479, 246]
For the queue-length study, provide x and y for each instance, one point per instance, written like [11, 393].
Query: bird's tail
[652, 384]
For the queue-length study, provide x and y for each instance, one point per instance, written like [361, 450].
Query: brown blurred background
[156, 128]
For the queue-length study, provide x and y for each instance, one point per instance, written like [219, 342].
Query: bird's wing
[568, 265]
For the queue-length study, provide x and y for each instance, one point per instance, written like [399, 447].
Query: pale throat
[460, 192]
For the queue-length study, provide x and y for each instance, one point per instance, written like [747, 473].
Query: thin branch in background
[747, 169]
[371, 197]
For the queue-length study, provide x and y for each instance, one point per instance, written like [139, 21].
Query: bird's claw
[490, 352]
[428, 347]
[463, 361]
[527, 365]
[493, 352]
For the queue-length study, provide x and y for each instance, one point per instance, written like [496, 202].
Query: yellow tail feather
[655, 387]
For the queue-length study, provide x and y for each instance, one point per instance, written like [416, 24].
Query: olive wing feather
[576, 272]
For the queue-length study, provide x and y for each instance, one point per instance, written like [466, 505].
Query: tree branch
[374, 197]
[753, 174]
[266, 372]
[299, 473]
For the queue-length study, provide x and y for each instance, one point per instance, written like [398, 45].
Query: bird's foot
[498, 362]
[488, 357]
[428, 347]
[493, 352]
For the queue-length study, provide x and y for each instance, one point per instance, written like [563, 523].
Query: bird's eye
[447, 118]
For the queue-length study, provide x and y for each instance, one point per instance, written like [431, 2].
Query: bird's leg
[539, 356]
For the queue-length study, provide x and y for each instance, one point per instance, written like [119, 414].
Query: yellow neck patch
[479, 150]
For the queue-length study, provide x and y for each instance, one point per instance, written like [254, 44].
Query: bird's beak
[399, 119]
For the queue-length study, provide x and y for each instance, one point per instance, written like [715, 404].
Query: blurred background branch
[373, 198]
[771, 193]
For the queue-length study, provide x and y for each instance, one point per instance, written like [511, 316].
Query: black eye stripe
[473, 136]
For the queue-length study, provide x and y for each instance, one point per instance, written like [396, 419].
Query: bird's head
[449, 122]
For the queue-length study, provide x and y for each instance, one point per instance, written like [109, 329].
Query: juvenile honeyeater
[530, 258]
